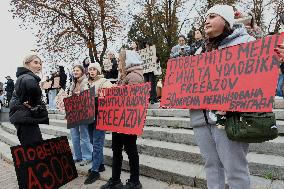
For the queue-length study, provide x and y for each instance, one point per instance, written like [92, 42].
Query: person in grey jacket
[222, 156]
[181, 49]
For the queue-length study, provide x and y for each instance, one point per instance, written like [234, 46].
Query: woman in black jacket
[26, 108]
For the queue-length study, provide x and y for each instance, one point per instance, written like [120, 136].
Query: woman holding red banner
[97, 80]
[80, 135]
[221, 154]
[131, 73]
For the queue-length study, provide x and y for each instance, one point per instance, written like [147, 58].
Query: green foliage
[158, 23]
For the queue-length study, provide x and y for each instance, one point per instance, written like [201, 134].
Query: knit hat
[132, 59]
[97, 66]
[225, 11]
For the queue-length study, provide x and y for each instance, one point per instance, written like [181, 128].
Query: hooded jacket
[238, 36]
[134, 75]
[27, 89]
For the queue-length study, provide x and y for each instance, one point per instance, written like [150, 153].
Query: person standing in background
[62, 78]
[151, 77]
[113, 73]
[9, 88]
[181, 49]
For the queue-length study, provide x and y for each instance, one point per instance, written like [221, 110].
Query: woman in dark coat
[27, 96]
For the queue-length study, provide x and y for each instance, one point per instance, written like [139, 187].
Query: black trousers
[28, 134]
[150, 77]
[129, 143]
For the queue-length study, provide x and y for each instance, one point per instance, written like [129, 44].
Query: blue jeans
[98, 138]
[82, 148]
[51, 97]
[279, 85]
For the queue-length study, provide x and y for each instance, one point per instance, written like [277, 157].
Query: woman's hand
[280, 52]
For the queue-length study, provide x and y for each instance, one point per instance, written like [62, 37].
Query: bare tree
[66, 25]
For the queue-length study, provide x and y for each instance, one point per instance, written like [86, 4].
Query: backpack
[254, 127]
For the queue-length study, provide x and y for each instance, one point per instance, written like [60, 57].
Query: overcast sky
[15, 43]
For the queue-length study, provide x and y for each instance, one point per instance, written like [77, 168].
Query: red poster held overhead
[238, 78]
[123, 109]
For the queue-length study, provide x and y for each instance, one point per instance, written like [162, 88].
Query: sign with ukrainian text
[123, 109]
[148, 56]
[238, 78]
[45, 164]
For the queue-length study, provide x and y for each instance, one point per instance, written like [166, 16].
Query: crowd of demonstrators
[131, 73]
[113, 72]
[181, 49]
[82, 146]
[9, 88]
[97, 137]
[28, 96]
[223, 157]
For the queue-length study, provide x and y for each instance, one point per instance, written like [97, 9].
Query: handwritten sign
[238, 78]
[80, 109]
[123, 109]
[148, 56]
[45, 164]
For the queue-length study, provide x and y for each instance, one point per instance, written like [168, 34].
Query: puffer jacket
[239, 35]
[27, 89]
[134, 75]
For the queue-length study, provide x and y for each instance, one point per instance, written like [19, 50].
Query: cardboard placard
[80, 109]
[107, 65]
[45, 164]
[148, 56]
[123, 109]
[238, 78]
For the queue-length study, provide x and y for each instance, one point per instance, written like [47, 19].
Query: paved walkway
[8, 180]
[8, 177]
